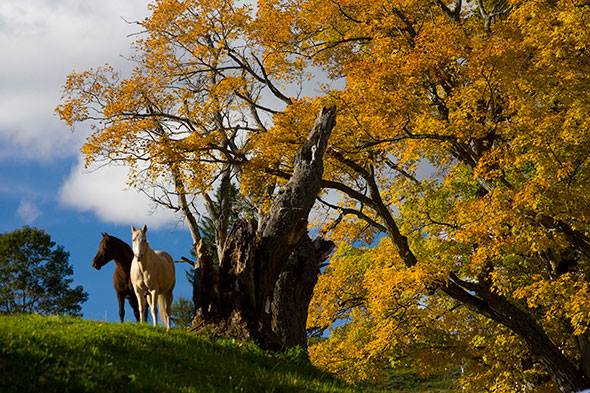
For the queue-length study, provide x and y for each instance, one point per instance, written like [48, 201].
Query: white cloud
[42, 41]
[27, 212]
[105, 193]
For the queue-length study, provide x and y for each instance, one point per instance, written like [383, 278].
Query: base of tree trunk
[234, 326]
[262, 286]
[225, 306]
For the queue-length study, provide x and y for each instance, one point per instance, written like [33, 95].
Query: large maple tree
[488, 97]
[460, 156]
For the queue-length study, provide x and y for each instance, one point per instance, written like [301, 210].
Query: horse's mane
[120, 243]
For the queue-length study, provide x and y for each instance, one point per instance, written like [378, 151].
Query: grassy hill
[55, 354]
[58, 354]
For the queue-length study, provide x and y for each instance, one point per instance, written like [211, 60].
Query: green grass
[407, 381]
[58, 354]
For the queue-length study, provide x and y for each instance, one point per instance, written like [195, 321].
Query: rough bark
[262, 286]
[294, 289]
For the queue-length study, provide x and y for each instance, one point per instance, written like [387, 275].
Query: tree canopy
[35, 275]
[460, 159]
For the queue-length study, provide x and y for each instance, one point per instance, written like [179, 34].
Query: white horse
[152, 276]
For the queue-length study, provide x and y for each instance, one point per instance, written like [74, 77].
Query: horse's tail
[162, 304]
[165, 306]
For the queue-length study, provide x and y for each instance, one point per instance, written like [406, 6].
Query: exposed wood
[262, 287]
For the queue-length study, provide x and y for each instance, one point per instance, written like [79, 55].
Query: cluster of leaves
[460, 156]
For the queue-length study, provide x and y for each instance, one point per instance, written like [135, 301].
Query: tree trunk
[584, 347]
[294, 289]
[262, 287]
[564, 372]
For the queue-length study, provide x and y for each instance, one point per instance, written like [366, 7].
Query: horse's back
[164, 255]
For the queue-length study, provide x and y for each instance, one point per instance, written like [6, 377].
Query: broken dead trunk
[263, 283]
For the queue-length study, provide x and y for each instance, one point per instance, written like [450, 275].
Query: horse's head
[103, 254]
[140, 244]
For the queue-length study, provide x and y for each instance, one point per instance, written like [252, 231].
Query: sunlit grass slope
[55, 354]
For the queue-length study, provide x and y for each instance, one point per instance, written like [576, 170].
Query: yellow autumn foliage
[459, 159]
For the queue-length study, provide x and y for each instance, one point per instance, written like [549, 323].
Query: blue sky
[43, 181]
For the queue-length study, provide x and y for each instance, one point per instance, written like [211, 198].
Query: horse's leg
[121, 299]
[140, 295]
[145, 314]
[169, 298]
[153, 300]
[133, 303]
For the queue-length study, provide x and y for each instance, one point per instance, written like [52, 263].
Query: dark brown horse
[112, 248]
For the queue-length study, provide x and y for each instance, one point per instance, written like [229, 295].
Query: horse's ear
[133, 228]
[144, 229]
[104, 234]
